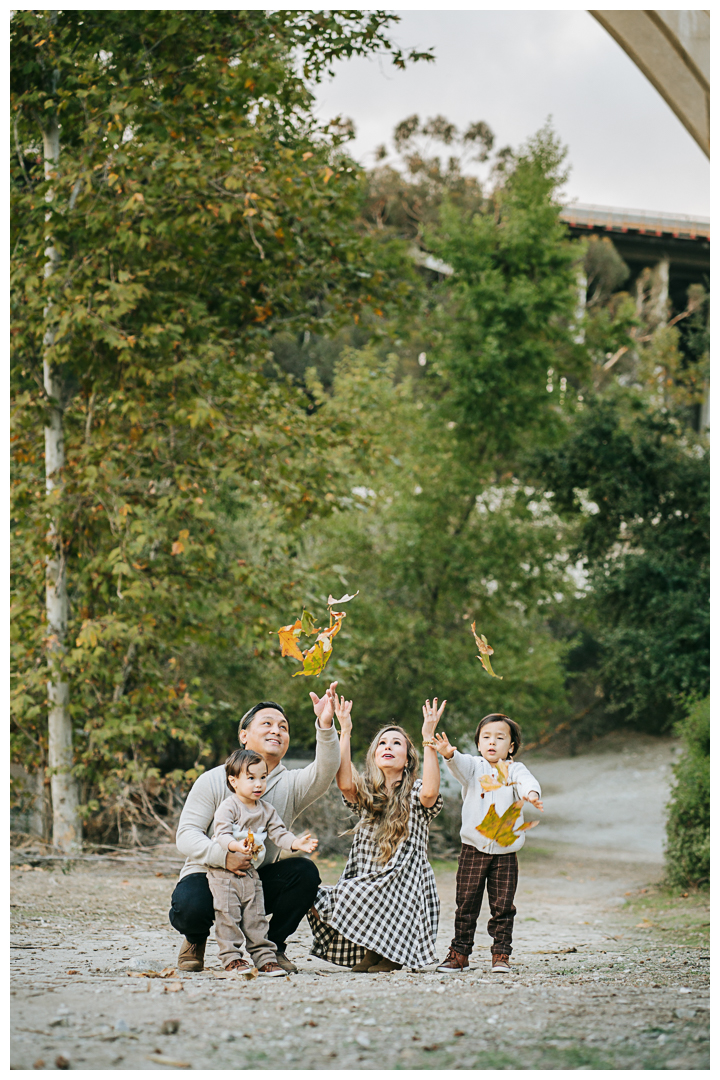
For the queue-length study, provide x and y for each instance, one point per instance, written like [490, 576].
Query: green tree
[638, 489]
[687, 853]
[184, 207]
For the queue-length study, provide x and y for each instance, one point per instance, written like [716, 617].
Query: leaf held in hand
[485, 651]
[502, 829]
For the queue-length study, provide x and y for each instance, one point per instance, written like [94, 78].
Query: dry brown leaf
[174, 1063]
[485, 651]
[172, 987]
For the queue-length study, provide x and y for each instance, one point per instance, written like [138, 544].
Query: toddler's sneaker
[500, 963]
[454, 963]
[238, 965]
[271, 969]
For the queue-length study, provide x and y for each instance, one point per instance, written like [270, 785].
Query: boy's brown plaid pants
[500, 872]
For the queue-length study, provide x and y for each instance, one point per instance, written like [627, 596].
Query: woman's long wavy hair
[387, 812]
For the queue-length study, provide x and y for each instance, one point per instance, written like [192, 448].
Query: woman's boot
[368, 959]
[384, 965]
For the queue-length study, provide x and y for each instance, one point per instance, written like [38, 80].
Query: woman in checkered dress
[383, 912]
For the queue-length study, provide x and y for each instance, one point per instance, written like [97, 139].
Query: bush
[688, 826]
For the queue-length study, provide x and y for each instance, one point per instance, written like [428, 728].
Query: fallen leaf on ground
[485, 651]
[61, 1062]
[501, 829]
[172, 987]
[173, 1063]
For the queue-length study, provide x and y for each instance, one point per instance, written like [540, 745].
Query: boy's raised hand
[442, 745]
[533, 798]
[306, 842]
[343, 711]
[431, 716]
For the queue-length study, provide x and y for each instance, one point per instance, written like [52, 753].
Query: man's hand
[343, 712]
[325, 706]
[442, 745]
[237, 863]
[534, 798]
[306, 842]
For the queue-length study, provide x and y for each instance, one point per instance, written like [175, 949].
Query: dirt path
[609, 970]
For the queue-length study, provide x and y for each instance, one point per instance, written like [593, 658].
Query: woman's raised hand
[442, 745]
[431, 716]
[343, 712]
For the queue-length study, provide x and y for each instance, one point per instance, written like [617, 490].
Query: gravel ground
[609, 971]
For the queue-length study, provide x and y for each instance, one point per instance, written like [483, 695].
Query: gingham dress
[392, 909]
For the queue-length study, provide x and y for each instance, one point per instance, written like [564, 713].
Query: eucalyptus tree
[174, 204]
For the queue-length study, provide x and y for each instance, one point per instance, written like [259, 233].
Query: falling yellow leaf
[485, 651]
[502, 829]
[288, 636]
[491, 783]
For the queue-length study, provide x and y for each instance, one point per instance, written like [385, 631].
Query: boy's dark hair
[246, 720]
[515, 732]
[239, 762]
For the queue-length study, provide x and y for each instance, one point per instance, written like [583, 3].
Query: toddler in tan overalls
[241, 824]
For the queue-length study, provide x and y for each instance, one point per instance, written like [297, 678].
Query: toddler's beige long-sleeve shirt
[290, 791]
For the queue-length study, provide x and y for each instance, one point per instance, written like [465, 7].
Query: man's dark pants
[476, 871]
[290, 887]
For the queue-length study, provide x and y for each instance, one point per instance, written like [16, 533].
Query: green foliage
[196, 209]
[638, 490]
[508, 346]
[432, 545]
[687, 853]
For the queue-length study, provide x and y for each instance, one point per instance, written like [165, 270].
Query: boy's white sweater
[468, 769]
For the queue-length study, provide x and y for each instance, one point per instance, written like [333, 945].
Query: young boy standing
[242, 823]
[491, 784]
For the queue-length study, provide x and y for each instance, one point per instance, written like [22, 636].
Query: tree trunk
[67, 830]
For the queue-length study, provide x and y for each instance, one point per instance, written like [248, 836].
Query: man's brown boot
[454, 963]
[500, 963]
[192, 957]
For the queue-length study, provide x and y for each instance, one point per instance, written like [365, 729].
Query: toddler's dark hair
[239, 762]
[515, 732]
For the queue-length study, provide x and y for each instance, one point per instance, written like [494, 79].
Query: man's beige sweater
[290, 791]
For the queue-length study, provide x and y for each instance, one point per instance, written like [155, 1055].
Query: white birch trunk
[67, 831]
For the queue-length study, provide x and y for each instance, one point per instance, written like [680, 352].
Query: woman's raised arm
[344, 776]
[430, 788]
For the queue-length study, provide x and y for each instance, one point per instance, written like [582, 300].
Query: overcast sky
[513, 69]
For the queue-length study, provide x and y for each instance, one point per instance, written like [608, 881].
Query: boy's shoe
[238, 965]
[271, 969]
[192, 956]
[383, 965]
[454, 963]
[501, 963]
[286, 964]
[369, 960]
